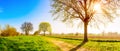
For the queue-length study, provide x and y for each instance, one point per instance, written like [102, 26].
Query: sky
[16, 12]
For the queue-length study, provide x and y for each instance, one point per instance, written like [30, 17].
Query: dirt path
[65, 46]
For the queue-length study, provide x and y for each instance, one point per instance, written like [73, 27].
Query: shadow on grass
[77, 47]
[93, 40]
[105, 40]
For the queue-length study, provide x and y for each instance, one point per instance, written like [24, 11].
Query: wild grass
[26, 43]
[93, 44]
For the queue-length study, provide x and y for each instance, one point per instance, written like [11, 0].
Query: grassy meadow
[43, 43]
[26, 43]
[59, 25]
[94, 44]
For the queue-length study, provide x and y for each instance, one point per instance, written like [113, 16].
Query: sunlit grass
[94, 44]
[26, 43]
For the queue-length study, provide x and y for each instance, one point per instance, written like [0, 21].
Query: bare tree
[84, 10]
[27, 27]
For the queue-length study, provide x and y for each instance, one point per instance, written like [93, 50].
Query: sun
[97, 7]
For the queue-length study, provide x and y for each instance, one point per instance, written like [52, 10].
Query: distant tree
[9, 31]
[27, 27]
[45, 26]
[86, 11]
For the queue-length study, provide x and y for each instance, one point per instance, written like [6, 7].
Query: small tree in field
[45, 26]
[36, 33]
[27, 27]
[85, 10]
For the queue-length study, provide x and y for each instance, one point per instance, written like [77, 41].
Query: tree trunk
[85, 32]
[50, 33]
[44, 33]
[26, 32]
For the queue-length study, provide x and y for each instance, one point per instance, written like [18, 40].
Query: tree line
[26, 28]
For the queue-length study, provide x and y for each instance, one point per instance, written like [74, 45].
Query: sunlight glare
[97, 7]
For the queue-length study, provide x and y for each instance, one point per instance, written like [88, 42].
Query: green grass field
[26, 43]
[93, 44]
[42, 43]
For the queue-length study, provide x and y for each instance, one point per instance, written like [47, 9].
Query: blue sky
[16, 12]
[11, 9]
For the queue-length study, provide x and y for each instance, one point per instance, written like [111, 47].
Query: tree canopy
[27, 27]
[85, 10]
[9, 31]
[45, 26]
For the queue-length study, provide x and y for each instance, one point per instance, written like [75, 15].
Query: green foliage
[26, 43]
[27, 27]
[9, 31]
[45, 26]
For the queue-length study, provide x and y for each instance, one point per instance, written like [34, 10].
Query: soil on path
[65, 46]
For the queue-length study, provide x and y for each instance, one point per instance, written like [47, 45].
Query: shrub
[9, 31]
[36, 32]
